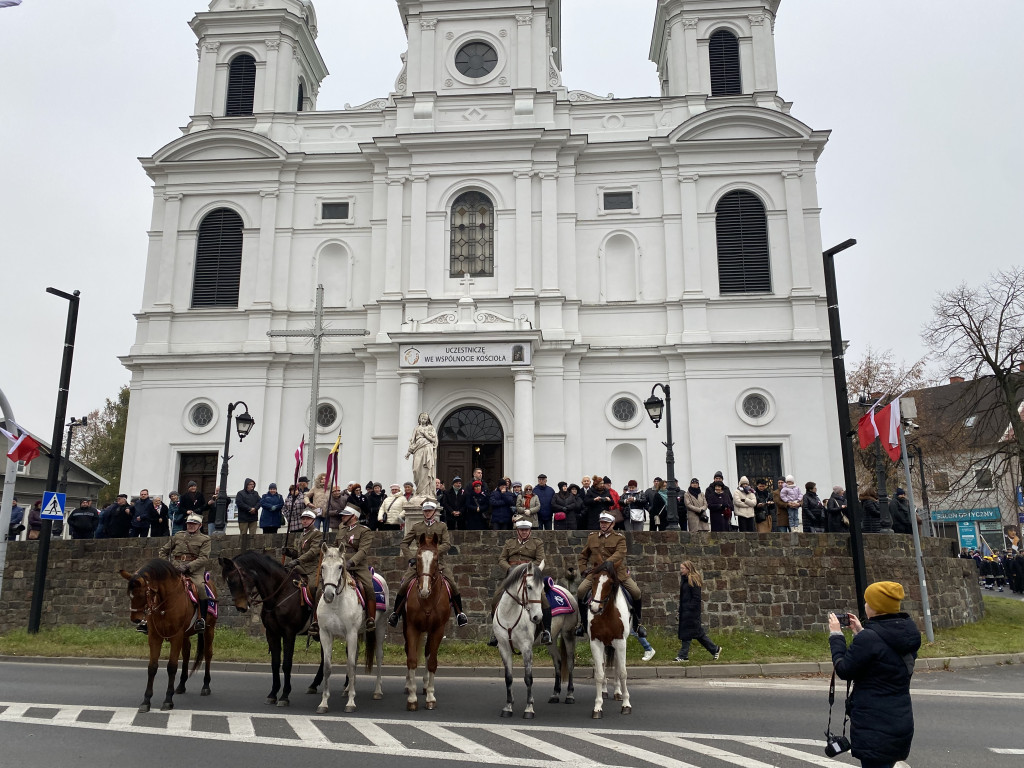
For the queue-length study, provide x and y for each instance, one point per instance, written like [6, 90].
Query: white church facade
[527, 261]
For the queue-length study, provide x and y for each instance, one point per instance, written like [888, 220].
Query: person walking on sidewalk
[690, 627]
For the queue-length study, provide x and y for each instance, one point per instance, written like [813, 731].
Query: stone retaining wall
[779, 583]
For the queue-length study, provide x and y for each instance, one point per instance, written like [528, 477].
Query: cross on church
[316, 333]
[467, 283]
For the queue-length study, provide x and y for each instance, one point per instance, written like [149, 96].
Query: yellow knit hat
[884, 596]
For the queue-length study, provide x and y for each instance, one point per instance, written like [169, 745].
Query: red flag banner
[866, 429]
[299, 452]
[23, 448]
[887, 421]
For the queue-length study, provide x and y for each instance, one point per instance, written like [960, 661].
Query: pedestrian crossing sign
[53, 505]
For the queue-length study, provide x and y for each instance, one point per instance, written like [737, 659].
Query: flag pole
[922, 582]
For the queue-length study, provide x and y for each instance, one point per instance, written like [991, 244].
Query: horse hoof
[431, 705]
[598, 714]
[411, 706]
[271, 700]
[570, 699]
[205, 692]
[528, 715]
[144, 708]
[311, 690]
[166, 706]
[618, 697]
[627, 710]
[179, 690]
[321, 710]
[378, 696]
[283, 703]
[553, 700]
[350, 707]
[506, 713]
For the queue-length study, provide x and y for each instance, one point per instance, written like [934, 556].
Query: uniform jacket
[356, 543]
[309, 550]
[411, 540]
[600, 549]
[195, 548]
[516, 552]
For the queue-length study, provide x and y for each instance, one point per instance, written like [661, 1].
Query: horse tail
[200, 651]
[371, 650]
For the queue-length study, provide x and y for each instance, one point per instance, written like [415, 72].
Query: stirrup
[545, 637]
[462, 620]
[493, 642]
[371, 624]
[142, 627]
[641, 631]
[393, 619]
[581, 630]
[200, 625]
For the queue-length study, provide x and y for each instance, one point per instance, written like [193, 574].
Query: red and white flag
[299, 452]
[23, 448]
[883, 424]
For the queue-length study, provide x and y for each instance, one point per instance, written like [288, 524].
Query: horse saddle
[190, 589]
[558, 598]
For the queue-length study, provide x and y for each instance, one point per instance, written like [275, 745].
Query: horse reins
[522, 600]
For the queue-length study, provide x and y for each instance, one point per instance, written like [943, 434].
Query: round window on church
[201, 415]
[755, 406]
[326, 415]
[477, 59]
[624, 409]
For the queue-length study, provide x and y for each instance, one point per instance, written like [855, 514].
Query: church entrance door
[201, 467]
[470, 438]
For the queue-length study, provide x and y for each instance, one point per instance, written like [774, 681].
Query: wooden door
[201, 467]
[756, 461]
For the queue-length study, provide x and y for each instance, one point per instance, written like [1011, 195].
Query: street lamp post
[655, 405]
[860, 576]
[62, 487]
[915, 448]
[243, 424]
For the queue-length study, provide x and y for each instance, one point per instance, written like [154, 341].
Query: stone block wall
[779, 583]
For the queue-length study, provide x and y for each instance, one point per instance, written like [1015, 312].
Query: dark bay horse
[157, 593]
[427, 610]
[257, 579]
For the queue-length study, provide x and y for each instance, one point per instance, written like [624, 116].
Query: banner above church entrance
[463, 355]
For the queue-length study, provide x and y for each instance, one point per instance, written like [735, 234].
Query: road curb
[545, 671]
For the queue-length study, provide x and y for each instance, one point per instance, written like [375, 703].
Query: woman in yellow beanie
[880, 662]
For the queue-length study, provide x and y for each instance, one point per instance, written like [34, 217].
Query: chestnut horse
[427, 610]
[157, 593]
[609, 619]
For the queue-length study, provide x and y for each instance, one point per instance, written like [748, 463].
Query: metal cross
[316, 333]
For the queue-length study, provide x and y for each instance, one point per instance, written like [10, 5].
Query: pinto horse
[427, 610]
[515, 625]
[257, 579]
[157, 593]
[608, 616]
[341, 616]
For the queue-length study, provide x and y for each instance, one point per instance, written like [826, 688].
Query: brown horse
[157, 593]
[427, 610]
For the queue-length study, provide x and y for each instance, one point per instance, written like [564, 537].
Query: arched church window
[473, 425]
[241, 85]
[472, 239]
[218, 260]
[724, 53]
[302, 97]
[741, 226]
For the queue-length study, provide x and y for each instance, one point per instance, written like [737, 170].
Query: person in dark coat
[191, 501]
[872, 512]
[142, 515]
[690, 626]
[835, 508]
[247, 505]
[899, 510]
[598, 499]
[116, 518]
[502, 502]
[719, 501]
[567, 507]
[271, 510]
[812, 510]
[161, 516]
[476, 507]
[83, 521]
[880, 662]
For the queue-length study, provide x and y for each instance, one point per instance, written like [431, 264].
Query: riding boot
[314, 626]
[581, 630]
[142, 627]
[397, 610]
[638, 605]
[204, 606]
[460, 618]
[371, 608]
[545, 634]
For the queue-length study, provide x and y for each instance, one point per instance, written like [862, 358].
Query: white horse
[515, 624]
[341, 616]
[608, 624]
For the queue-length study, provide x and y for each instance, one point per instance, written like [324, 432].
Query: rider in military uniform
[522, 548]
[355, 541]
[306, 559]
[607, 545]
[412, 536]
[189, 550]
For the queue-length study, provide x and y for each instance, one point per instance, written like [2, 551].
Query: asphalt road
[73, 715]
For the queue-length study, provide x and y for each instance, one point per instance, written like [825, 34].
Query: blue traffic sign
[53, 505]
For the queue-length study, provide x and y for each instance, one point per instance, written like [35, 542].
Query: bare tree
[100, 444]
[977, 333]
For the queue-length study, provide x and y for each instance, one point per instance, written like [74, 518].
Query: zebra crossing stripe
[557, 754]
[778, 749]
[642, 754]
[458, 741]
[379, 737]
[241, 727]
[710, 751]
[306, 730]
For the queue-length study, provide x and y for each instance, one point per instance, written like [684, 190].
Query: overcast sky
[924, 166]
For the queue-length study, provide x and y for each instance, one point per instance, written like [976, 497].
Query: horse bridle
[522, 599]
[342, 581]
[253, 593]
[603, 602]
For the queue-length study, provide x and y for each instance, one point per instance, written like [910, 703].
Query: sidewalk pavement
[635, 671]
